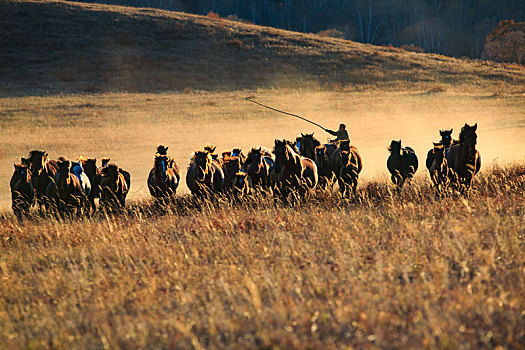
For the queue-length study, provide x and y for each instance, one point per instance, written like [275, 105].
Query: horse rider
[340, 134]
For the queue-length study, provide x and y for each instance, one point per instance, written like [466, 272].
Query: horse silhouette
[114, 184]
[296, 173]
[65, 190]
[324, 167]
[402, 163]
[464, 160]
[42, 172]
[164, 177]
[260, 168]
[349, 173]
[22, 191]
[439, 171]
[205, 175]
[446, 141]
[93, 173]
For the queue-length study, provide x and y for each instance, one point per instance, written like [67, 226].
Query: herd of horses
[290, 171]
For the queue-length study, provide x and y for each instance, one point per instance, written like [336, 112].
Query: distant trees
[451, 27]
[506, 43]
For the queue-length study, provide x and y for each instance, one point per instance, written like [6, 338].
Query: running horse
[324, 167]
[204, 174]
[402, 163]
[42, 172]
[93, 173]
[464, 160]
[297, 173]
[337, 160]
[164, 177]
[230, 167]
[22, 191]
[114, 185]
[446, 141]
[439, 171]
[260, 168]
[306, 144]
[349, 173]
[65, 190]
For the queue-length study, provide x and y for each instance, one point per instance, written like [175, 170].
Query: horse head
[395, 147]
[38, 160]
[240, 184]
[282, 154]
[344, 145]
[161, 165]
[105, 161]
[64, 166]
[90, 166]
[202, 162]
[446, 137]
[468, 138]
[109, 177]
[306, 145]
[22, 173]
[210, 149]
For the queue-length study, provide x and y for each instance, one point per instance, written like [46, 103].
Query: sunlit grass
[388, 270]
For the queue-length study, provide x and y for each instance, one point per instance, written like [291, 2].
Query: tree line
[450, 27]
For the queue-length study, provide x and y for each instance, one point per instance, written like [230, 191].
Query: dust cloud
[129, 127]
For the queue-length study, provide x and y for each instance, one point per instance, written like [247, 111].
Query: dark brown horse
[114, 184]
[204, 174]
[446, 141]
[402, 163]
[260, 168]
[242, 185]
[306, 144]
[337, 160]
[324, 167]
[439, 171]
[22, 191]
[93, 173]
[164, 177]
[230, 167]
[65, 191]
[464, 160]
[349, 174]
[296, 173]
[42, 172]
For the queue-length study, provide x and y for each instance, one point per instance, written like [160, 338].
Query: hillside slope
[64, 47]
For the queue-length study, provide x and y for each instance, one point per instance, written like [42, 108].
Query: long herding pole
[283, 112]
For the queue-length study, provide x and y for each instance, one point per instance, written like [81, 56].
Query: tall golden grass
[387, 270]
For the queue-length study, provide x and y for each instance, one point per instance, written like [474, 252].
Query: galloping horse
[204, 174]
[259, 168]
[164, 177]
[230, 167]
[42, 172]
[114, 184]
[22, 191]
[65, 190]
[306, 144]
[78, 171]
[349, 173]
[439, 170]
[324, 167]
[93, 174]
[296, 172]
[242, 185]
[446, 141]
[464, 160]
[402, 163]
[337, 160]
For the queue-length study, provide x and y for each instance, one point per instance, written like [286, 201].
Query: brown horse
[464, 160]
[348, 175]
[65, 190]
[204, 174]
[324, 167]
[446, 141]
[260, 168]
[22, 191]
[230, 167]
[114, 184]
[242, 185]
[42, 172]
[297, 173]
[402, 163]
[439, 170]
[93, 173]
[337, 160]
[306, 144]
[164, 177]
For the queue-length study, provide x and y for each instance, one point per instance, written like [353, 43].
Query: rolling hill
[53, 47]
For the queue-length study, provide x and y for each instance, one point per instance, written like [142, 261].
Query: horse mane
[463, 133]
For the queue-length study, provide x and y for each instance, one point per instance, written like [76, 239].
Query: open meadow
[384, 269]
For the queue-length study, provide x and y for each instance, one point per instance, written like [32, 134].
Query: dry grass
[390, 271]
[76, 47]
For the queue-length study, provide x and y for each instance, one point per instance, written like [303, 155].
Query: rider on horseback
[340, 134]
